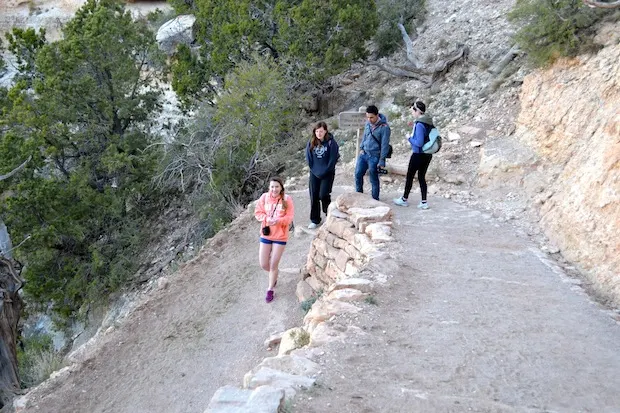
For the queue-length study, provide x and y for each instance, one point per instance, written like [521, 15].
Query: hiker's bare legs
[264, 253]
[276, 254]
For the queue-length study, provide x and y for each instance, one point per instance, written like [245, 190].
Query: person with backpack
[419, 160]
[322, 153]
[374, 149]
[275, 211]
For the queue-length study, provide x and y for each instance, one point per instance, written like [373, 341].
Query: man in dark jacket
[373, 150]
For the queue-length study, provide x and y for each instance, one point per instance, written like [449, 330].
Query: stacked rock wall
[355, 225]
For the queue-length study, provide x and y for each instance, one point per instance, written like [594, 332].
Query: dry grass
[39, 365]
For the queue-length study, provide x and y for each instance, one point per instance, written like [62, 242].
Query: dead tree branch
[16, 170]
[508, 57]
[602, 4]
[443, 66]
[396, 71]
[409, 44]
[415, 70]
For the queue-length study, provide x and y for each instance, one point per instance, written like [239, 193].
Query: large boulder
[179, 30]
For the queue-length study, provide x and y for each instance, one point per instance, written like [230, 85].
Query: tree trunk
[403, 72]
[505, 60]
[413, 59]
[398, 169]
[10, 308]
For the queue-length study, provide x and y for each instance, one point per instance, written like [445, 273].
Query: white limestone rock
[179, 30]
[263, 399]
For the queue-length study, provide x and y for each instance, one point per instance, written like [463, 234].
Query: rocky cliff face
[570, 119]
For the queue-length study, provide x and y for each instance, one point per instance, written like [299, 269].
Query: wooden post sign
[353, 120]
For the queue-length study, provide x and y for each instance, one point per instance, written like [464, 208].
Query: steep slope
[540, 151]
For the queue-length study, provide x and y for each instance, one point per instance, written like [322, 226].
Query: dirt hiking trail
[472, 317]
[205, 330]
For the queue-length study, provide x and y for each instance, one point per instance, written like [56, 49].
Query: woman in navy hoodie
[322, 153]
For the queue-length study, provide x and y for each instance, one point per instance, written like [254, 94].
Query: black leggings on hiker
[320, 193]
[418, 162]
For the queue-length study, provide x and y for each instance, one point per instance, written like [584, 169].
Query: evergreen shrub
[555, 28]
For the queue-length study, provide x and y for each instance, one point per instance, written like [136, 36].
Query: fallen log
[397, 169]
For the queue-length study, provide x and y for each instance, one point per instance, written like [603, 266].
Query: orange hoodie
[265, 207]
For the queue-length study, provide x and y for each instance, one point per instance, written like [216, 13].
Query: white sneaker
[312, 225]
[423, 205]
[400, 201]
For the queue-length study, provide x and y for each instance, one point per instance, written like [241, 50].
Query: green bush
[224, 156]
[309, 40]
[306, 305]
[554, 28]
[371, 300]
[301, 338]
[81, 112]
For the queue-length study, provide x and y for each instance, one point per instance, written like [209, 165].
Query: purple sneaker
[269, 297]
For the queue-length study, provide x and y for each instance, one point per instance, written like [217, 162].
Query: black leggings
[320, 195]
[418, 162]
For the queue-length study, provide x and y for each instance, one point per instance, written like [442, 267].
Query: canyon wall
[570, 119]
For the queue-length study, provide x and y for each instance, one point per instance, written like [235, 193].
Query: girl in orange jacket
[275, 211]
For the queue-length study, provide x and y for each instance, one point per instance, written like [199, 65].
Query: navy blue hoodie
[322, 159]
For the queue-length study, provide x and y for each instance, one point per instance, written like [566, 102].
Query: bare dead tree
[188, 164]
[11, 305]
[415, 70]
[603, 4]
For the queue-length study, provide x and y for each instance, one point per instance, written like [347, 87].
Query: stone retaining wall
[355, 225]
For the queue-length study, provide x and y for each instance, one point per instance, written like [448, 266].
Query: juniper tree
[554, 28]
[309, 39]
[84, 121]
